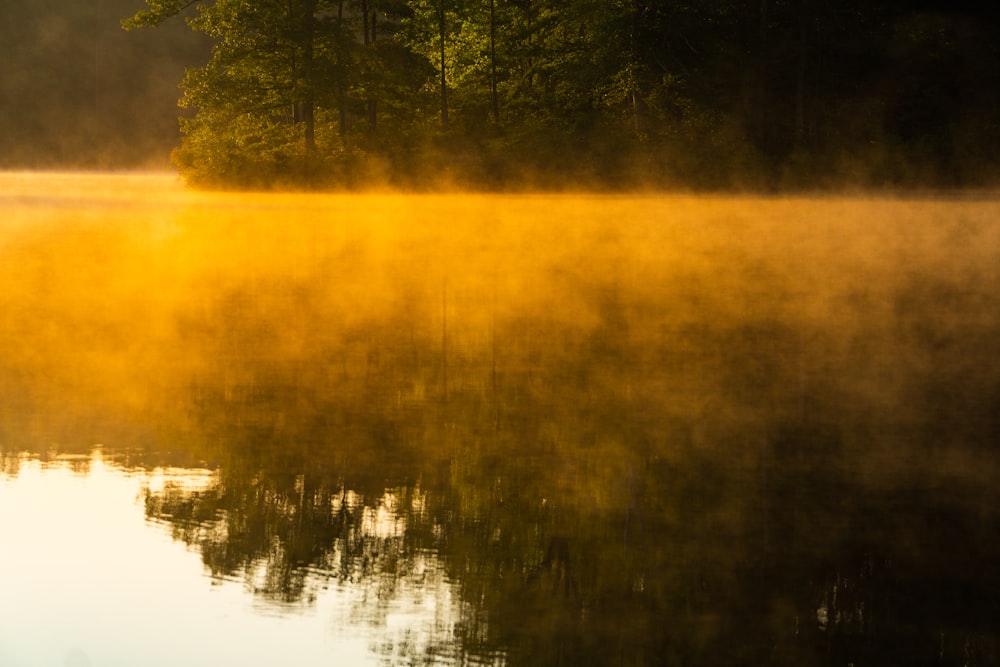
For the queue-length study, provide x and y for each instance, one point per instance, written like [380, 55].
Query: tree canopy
[622, 93]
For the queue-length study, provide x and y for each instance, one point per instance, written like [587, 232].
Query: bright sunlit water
[272, 429]
[94, 583]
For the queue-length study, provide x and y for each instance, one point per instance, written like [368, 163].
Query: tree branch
[157, 12]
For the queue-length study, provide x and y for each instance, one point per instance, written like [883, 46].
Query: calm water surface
[532, 430]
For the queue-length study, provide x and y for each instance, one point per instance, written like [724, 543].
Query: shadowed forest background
[716, 94]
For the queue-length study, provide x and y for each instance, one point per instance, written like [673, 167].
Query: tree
[710, 93]
[285, 78]
[255, 100]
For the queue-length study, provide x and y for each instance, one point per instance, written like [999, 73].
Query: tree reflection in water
[713, 434]
[599, 505]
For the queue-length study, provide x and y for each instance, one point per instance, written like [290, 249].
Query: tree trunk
[639, 108]
[364, 23]
[372, 101]
[444, 82]
[759, 92]
[308, 36]
[800, 83]
[340, 87]
[493, 63]
[294, 109]
[368, 31]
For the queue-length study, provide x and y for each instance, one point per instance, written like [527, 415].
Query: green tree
[713, 93]
[255, 100]
[285, 80]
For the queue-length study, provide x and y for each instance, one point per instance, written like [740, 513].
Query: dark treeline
[511, 93]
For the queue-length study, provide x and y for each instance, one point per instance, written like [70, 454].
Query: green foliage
[556, 92]
[156, 12]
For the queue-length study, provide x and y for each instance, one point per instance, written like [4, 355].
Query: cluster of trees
[510, 92]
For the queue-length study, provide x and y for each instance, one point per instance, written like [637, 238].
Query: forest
[510, 94]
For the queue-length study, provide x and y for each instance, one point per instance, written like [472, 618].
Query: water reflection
[554, 430]
[89, 582]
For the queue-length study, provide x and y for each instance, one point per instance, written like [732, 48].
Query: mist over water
[624, 429]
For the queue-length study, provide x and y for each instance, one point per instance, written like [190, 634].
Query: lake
[384, 429]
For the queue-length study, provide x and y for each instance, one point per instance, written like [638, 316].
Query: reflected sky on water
[94, 580]
[446, 429]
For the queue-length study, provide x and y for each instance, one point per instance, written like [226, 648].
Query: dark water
[484, 430]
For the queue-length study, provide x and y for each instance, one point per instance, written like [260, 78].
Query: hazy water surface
[447, 429]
